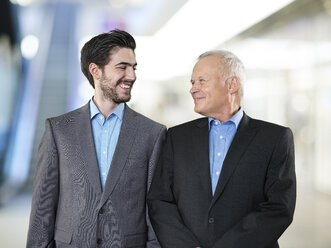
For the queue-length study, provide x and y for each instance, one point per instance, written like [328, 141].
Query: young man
[96, 163]
[227, 180]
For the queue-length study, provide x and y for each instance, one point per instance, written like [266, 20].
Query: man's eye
[121, 67]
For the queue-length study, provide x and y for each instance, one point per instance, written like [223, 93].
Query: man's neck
[226, 113]
[223, 117]
[105, 106]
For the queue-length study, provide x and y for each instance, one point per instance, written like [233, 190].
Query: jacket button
[99, 241]
[101, 211]
[211, 220]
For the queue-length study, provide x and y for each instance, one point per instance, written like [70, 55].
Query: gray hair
[232, 63]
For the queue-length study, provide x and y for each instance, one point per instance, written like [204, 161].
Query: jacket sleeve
[152, 241]
[165, 217]
[45, 193]
[263, 227]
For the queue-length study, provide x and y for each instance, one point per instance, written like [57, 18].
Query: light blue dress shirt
[105, 134]
[220, 137]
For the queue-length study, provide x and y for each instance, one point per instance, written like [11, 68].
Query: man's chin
[122, 99]
[199, 111]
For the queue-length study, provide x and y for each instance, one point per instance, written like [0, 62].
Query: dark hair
[99, 48]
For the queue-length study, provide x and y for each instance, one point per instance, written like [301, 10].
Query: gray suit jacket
[69, 208]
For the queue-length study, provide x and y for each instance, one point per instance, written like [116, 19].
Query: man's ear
[233, 84]
[95, 71]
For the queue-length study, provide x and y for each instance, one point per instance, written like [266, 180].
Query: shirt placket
[220, 153]
[104, 152]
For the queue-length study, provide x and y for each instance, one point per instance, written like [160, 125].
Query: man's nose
[195, 88]
[130, 74]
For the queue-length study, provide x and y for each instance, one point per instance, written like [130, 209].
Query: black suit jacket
[254, 199]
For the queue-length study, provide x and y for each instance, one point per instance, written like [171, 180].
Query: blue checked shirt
[105, 134]
[220, 138]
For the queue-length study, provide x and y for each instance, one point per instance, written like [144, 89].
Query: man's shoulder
[70, 116]
[200, 122]
[265, 124]
[267, 127]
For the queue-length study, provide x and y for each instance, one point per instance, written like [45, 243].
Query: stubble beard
[110, 93]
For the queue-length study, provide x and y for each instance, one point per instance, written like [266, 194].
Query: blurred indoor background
[284, 44]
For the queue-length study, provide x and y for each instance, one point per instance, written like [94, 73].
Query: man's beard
[110, 93]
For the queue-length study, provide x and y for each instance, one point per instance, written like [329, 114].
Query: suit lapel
[200, 153]
[86, 141]
[122, 151]
[241, 140]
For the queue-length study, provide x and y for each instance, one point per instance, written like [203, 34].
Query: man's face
[209, 94]
[118, 76]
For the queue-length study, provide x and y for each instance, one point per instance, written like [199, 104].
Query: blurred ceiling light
[29, 46]
[199, 26]
[22, 2]
[281, 54]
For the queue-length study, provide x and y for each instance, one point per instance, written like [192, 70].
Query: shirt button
[216, 123]
[219, 154]
[221, 137]
[104, 174]
[104, 152]
[211, 220]
[106, 131]
[217, 173]
[99, 241]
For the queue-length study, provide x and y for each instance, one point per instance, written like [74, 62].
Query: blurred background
[284, 44]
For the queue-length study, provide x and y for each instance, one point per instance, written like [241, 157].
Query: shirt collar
[119, 110]
[234, 119]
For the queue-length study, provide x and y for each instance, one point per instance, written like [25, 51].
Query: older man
[226, 180]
